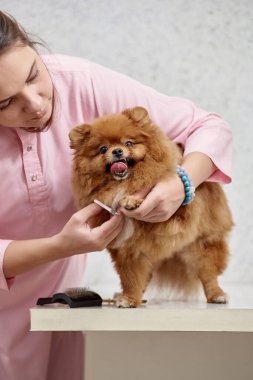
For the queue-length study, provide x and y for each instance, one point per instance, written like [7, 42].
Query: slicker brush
[77, 297]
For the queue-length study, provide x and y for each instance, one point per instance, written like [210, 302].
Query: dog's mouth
[120, 169]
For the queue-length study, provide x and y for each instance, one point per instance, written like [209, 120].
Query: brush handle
[112, 300]
[45, 301]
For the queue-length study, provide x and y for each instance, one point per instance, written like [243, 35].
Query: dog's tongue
[118, 167]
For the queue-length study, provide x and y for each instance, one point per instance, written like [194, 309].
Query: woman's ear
[78, 134]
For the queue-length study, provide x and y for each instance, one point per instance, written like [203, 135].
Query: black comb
[74, 297]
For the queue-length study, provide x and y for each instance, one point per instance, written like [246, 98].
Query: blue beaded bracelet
[188, 188]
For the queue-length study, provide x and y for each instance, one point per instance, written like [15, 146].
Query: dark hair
[12, 33]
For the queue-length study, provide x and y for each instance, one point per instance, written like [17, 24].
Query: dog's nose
[117, 152]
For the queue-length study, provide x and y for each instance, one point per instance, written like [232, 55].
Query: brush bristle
[78, 292]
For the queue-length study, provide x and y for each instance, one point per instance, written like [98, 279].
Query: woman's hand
[166, 197]
[160, 202]
[75, 237]
[78, 237]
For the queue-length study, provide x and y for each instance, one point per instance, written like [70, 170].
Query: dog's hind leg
[211, 263]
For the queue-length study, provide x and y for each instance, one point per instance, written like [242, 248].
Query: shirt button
[29, 148]
[34, 177]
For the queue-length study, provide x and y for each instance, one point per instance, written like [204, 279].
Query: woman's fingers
[109, 229]
[161, 202]
[147, 207]
[87, 212]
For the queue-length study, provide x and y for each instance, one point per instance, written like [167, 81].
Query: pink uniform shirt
[36, 197]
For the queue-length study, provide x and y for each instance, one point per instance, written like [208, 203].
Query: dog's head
[114, 145]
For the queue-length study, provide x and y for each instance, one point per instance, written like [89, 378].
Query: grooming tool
[109, 209]
[77, 297]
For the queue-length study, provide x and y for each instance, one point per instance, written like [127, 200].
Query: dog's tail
[175, 281]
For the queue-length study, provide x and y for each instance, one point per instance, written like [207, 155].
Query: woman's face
[26, 90]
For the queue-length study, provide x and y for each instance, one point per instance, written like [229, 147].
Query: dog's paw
[130, 203]
[221, 298]
[126, 302]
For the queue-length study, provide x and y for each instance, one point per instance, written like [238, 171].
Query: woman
[42, 237]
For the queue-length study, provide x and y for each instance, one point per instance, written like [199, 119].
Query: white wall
[199, 49]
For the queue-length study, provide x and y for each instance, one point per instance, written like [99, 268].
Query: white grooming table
[165, 340]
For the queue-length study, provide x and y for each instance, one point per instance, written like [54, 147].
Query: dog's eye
[129, 143]
[103, 149]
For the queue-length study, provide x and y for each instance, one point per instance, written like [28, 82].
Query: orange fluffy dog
[121, 154]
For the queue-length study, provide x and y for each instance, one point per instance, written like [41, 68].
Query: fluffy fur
[188, 249]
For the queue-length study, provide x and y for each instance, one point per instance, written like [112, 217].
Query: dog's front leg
[134, 272]
[130, 203]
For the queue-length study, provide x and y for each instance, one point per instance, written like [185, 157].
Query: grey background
[199, 49]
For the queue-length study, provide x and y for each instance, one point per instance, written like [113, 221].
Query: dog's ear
[137, 114]
[78, 134]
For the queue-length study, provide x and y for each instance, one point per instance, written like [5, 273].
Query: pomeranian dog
[119, 155]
